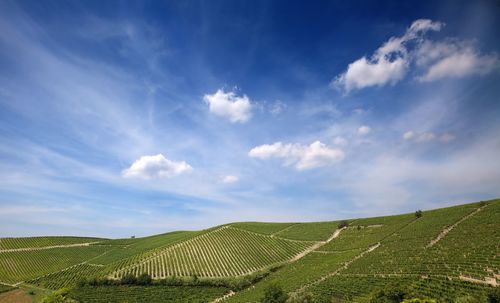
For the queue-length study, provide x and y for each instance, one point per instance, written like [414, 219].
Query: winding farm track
[317, 245]
[450, 228]
[47, 247]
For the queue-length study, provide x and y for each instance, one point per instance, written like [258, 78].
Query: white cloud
[154, 167]
[230, 179]
[277, 107]
[229, 105]
[364, 130]
[455, 62]
[408, 135]
[388, 64]
[339, 140]
[428, 136]
[434, 60]
[303, 157]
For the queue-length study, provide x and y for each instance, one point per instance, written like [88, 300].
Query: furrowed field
[444, 254]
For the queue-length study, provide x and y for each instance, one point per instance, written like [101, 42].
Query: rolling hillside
[443, 254]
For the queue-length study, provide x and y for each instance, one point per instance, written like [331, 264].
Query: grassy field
[444, 254]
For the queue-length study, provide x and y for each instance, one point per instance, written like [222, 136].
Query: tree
[390, 294]
[128, 279]
[144, 279]
[274, 294]
[417, 300]
[494, 295]
[343, 224]
[418, 214]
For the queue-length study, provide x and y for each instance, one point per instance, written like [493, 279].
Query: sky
[135, 118]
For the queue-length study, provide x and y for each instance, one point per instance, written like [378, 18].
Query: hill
[443, 254]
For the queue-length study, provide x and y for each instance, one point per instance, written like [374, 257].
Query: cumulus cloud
[364, 130]
[155, 167]
[230, 179]
[389, 63]
[303, 157]
[433, 60]
[229, 105]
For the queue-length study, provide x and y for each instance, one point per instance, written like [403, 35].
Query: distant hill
[443, 254]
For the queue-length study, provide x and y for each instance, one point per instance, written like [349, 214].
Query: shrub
[274, 294]
[390, 294]
[144, 279]
[418, 214]
[58, 296]
[417, 300]
[468, 299]
[494, 295]
[129, 280]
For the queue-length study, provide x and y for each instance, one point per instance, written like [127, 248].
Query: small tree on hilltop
[274, 294]
[343, 224]
[418, 214]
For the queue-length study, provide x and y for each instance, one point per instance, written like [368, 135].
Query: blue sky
[121, 119]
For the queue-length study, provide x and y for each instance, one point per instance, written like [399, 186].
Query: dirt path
[316, 245]
[224, 297]
[15, 296]
[46, 247]
[450, 228]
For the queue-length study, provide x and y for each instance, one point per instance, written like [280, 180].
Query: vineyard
[224, 252]
[444, 254]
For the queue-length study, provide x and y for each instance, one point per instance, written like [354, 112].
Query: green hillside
[445, 254]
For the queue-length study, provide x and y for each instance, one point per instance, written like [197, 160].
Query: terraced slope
[224, 252]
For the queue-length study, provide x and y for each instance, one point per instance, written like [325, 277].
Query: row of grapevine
[26, 265]
[68, 277]
[224, 252]
[297, 274]
[35, 242]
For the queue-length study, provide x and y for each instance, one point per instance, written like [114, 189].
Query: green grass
[5, 288]
[150, 294]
